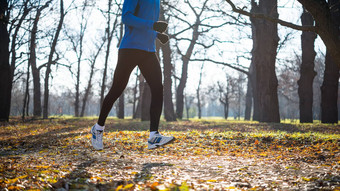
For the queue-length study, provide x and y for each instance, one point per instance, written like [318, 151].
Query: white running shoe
[97, 138]
[158, 140]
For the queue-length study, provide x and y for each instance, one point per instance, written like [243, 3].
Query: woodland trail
[207, 155]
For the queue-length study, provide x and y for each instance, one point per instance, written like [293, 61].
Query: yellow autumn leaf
[263, 154]
[52, 180]
[22, 177]
[211, 180]
[231, 187]
[291, 167]
[14, 188]
[96, 178]
[42, 166]
[11, 181]
[44, 172]
[119, 187]
[309, 179]
[184, 187]
[128, 186]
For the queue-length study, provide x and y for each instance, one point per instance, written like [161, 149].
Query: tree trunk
[180, 92]
[120, 113]
[36, 92]
[252, 76]
[7, 73]
[184, 76]
[35, 70]
[187, 106]
[146, 102]
[36, 84]
[142, 82]
[188, 100]
[256, 110]
[225, 111]
[198, 93]
[25, 102]
[199, 104]
[239, 89]
[227, 108]
[249, 101]
[5, 69]
[329, 88]
[225, 105]
[329, 91]
[338, 102]
[49, 63]
[327, 26]
[86, 96]
[169, 112]
[76, 102]
[265, 42]
[239, 108]
[134, 109]
[307, 73]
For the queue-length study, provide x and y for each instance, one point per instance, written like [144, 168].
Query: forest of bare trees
[225, 58]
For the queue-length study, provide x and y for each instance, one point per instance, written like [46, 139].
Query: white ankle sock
[98, 127]
[152, 133]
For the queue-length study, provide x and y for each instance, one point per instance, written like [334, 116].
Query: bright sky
[289, 10]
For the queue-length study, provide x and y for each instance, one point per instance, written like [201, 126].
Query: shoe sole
[96, 149]
[155, 146]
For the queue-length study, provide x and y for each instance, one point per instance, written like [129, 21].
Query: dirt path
[56, 155]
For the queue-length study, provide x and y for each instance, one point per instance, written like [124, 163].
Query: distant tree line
[40, 37]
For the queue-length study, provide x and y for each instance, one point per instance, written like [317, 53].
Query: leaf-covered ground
[56, 154]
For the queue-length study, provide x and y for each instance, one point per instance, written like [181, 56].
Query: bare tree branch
[269, 18]
[233, 66]
[237, 19]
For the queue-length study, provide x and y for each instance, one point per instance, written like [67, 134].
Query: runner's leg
[127, 61]
[152, 73]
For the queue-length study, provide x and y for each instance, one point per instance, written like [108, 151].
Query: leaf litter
[207, 155]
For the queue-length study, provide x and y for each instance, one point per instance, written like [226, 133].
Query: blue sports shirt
[138, 17]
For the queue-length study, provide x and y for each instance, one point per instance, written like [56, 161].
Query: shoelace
[98, 134]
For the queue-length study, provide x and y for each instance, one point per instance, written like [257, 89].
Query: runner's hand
[163, 38]
[160, 26]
